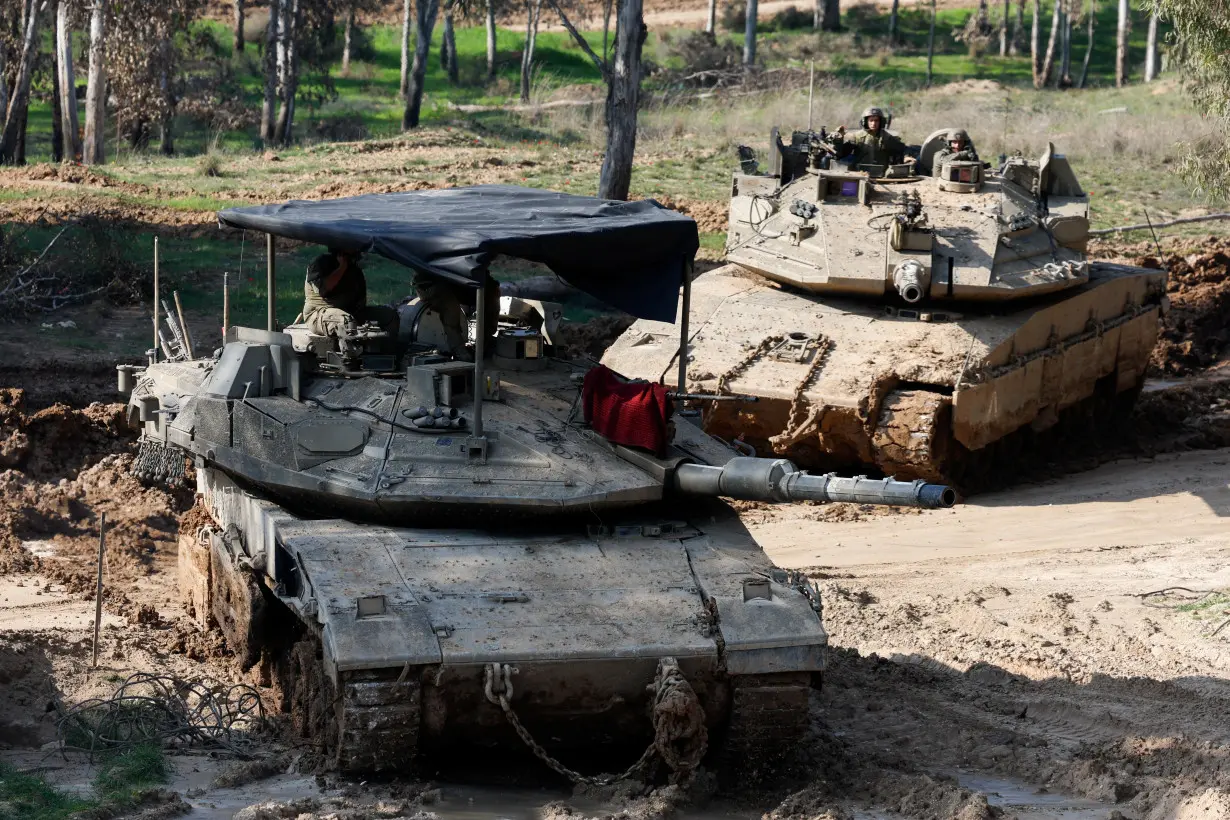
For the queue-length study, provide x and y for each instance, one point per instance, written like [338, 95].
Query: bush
[699, 51]
[209, 165]
[792, 19]
[734, 16]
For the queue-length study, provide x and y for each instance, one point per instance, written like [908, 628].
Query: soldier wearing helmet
[956, 147]
[874, 145]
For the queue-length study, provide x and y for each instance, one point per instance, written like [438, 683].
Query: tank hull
[400, 628]
[917, 393]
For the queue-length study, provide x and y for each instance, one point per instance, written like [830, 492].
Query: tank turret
[398, 527]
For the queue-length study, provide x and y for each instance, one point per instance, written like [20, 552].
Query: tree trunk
[710, 20]
[749, 33]
[448, 50]
[830, 20]
[533, 9]
[931, 44]
[1093, 13]
[347, 40]
[57, 121]
[272, 66]
[406, 23]
[1035, 38]
[1018, 29]
[167, 140]
[288, 55]
[817, 15]
[4, 88]
[607, 5]
[892, 23]
[490, 40]
[426, 21]
[12, 149]
[1003, 28]
[93, 150]
[1152, 64]
[1048, 62]
[66, 83]
[237, 46]
[1121, 52]
[623, 99]
[1064, 79]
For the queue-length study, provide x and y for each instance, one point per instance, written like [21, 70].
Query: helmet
[958, 135]
[873, 111]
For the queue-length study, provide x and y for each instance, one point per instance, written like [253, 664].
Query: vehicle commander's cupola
[957, 176]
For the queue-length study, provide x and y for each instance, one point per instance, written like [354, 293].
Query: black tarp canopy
[631, 255]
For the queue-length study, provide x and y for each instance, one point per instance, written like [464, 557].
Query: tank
[432, 556]
[923, 320]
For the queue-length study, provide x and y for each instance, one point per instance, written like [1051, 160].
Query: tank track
[769, 719]
[372, 726]
[912, 438]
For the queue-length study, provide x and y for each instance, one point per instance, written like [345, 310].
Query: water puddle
[1026, 801]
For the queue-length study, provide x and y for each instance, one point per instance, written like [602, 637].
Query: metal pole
[156, 298]
[811, 92]
[270, 276]
[226, 303]
[480, 332]
[98, 590]
[684, 310]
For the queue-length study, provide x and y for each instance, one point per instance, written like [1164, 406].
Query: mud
[1196, 332]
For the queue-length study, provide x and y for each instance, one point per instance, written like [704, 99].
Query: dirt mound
[73, 175]
[711, 217]
[57, 441]
[1196, 332]
[592, 338]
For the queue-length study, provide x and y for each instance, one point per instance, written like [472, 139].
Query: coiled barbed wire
[169, 711]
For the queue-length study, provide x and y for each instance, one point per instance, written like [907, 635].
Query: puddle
[41, 549]
[1024, 800]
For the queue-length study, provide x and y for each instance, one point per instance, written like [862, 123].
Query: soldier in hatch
[957, 147]
[875, 145]
[446, 299]
[335, 299]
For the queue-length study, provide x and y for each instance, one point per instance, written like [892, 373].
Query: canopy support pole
[685, 310]
[480, 333]
[270, 287]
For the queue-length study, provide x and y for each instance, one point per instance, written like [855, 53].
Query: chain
[680, 737]
[798, 424]
[156, 461]
[767, 344]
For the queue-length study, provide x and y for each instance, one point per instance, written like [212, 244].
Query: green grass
[1200, 609]
[119, 784]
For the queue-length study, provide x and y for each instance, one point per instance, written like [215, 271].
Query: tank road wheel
[372, 726]
[911, 437]
[769, 718]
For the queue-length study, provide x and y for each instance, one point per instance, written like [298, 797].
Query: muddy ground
[1003, 659]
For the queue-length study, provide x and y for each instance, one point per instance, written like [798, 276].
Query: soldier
[446, 299]
[957, 147]
[335, 300]
[875, 145]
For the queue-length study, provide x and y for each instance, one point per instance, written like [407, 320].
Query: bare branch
[603, 68]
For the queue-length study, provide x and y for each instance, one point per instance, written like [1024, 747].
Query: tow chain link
[680, 737]
[767, 344]
[156, 461]
[798, 425]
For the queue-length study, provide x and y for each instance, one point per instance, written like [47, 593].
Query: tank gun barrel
[779, 480]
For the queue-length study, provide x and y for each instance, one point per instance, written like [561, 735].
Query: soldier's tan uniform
[964, 151]
[880, 148]
[445, 298]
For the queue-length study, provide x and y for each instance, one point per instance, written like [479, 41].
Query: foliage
[791, 18]
[734, 15]
[122, 778]
[702, 57]
[1202, 36]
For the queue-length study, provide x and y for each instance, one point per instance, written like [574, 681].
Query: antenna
[811, 93]
[157, 341]
[226, 302]
[1157, 245]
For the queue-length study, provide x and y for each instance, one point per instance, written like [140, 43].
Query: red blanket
[630, 413]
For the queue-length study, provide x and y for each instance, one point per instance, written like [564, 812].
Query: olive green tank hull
[846, 382]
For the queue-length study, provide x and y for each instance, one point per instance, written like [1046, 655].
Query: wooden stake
[98, 590]
[183, 326]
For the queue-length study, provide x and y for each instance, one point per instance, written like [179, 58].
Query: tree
[1035, 34]
[237, 45]
[1043, 75]
[1064, 77]
[11, 140]
[749, 33]
[491, 40]
[269, 106]
[533, 10]
[1121, 50]
[1092, 13]
[347, 38]
[65, 83]
[830, 17]
[931, 43]
[425, 21]
[892, 23]
[1003, 28]
[288, 70]
[403, 89]
[448, 46]
[1018, 29]
[1201, 42]
[623, 89]
[1152, 61]
[93, 151]
[710, 20]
